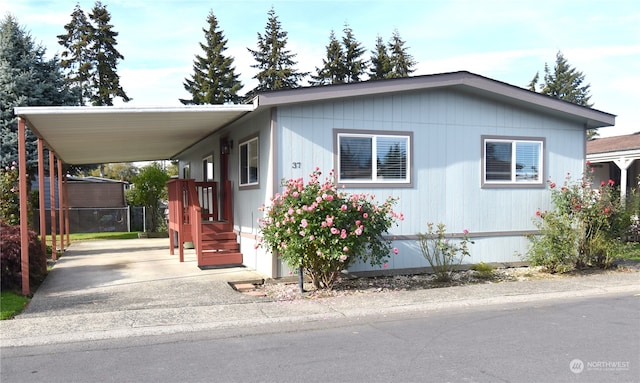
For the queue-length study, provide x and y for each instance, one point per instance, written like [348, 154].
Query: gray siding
[447, 127]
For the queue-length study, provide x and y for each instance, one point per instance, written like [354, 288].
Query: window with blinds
[373, 158]
[512, 161]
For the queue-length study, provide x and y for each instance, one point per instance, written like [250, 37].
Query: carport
[91, 135]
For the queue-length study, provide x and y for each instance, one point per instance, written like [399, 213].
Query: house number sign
[296, 165]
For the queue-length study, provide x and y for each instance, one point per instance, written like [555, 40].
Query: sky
[507, 41]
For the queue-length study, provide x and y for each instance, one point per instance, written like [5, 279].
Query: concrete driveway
[135, 274]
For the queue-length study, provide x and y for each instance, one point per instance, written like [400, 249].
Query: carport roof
[93, 135]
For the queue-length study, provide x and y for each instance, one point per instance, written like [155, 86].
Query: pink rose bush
[584, 227]
[324, 230]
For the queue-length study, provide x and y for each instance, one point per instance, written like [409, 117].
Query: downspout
[273, 184]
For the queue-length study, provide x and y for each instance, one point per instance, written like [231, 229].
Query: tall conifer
[333, 69]
[401, 62]
[380, 61]
[214, 80]
[26, 79]
[106, 57]
[355, 66]
[76, 57]
[275, 63]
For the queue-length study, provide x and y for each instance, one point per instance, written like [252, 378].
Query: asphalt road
[580, 340]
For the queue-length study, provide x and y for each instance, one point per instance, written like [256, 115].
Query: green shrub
[9, 196]
[483, 270]
[443, 255]
[584, 228]
[324, 231]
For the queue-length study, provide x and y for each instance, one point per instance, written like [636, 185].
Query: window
[207, 169]
[249, 162]
[509, 161]
[186, 171]
[374, 157]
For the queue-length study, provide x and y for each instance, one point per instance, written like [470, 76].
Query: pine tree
[401, 62]
[214, 80]
[565, 83]
[333, 69]
[380, 61]
[76, 58]
[26, 79]
[275, 63]
[106, 79]
[353, 51]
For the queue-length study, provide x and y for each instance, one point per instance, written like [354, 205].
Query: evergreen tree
[214, 80]
[565, 83]
[380, 61]
[26, 79]
[400, 61]
[90, 57]
[275, 63]
[76, 58]
[106, 80]
[333, 70]
[353, 51]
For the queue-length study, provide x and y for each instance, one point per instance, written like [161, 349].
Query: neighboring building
[614, 158]
[95, 204]
[475, 154]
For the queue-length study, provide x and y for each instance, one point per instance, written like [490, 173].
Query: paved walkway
[111, 289]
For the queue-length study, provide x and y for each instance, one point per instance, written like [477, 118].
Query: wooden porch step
[220, 245]
[220, 258]
[230, 236]
[216, 227]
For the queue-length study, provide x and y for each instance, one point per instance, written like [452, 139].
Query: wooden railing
[191, 203]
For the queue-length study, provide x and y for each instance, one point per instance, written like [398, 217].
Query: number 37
[296, 165]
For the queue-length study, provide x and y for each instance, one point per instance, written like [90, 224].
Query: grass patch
[92, 236]
[11, 304]
[630, 250]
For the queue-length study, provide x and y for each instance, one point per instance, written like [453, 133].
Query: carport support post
[41, 207]
[66, 208]
[61, 202]
[22, 186]
[52, 199]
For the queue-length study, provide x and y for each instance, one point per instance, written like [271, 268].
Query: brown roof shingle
[614, 144]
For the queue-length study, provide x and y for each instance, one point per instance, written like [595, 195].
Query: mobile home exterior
[470, 152]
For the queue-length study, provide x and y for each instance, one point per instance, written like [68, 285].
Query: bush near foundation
[585, 228]
[10, 258]
[324, 230]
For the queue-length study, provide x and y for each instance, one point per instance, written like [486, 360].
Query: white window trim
[375, 181]
[249, 155]
[540, 182]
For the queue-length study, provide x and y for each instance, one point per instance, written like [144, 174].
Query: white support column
[623, 163]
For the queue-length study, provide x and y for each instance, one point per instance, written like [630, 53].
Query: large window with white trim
[374, 157]
[249, 162]
[512, 161]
